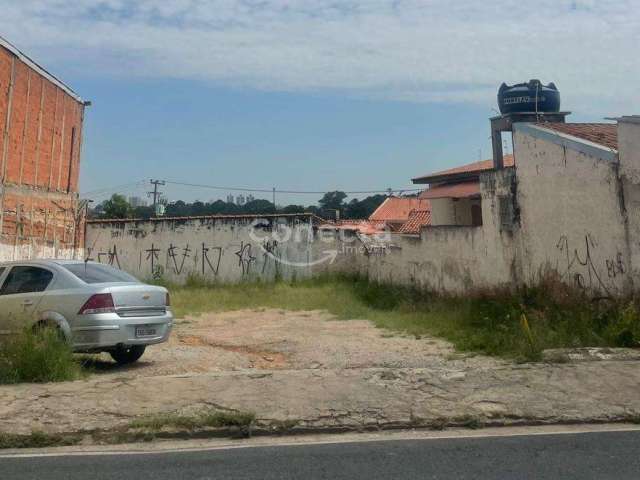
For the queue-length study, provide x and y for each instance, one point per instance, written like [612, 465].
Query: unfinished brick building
[40, 142]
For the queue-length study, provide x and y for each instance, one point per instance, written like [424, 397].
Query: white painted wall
[571, 215]
[221, 250]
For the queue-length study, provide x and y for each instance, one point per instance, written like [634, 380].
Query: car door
[20, 294]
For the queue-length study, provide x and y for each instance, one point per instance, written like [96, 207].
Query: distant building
[240, 200]
[230, 199]
[250, 198]
[455, 193]
[136, 202]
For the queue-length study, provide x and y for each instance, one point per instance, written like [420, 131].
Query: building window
[476, 215]
[505, 206]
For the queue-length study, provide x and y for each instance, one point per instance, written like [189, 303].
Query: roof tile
[605, 134]
[417, 220]
[475, 167]
[454, 190]
[397, 209]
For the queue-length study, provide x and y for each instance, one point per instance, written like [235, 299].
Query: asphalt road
[582, 456]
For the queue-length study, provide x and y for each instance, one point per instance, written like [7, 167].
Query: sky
[314, 95]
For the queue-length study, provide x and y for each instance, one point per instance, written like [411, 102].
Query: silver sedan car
[95, 307]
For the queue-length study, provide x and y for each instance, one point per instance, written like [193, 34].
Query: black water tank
[532, 96]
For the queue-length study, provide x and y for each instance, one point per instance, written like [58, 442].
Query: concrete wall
[449, 211]
[629, 147]
[40, 144]
[564, 209]
[572, 212]
[448, 258]
[221, 249]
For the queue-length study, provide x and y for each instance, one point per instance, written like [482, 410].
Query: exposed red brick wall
[39, 158]
[39, 138]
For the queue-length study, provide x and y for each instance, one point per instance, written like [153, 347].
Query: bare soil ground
[269, 339]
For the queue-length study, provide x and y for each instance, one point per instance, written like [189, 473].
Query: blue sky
[314, 95]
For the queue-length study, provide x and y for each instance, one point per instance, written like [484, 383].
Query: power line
[301, 192]
[114, 188]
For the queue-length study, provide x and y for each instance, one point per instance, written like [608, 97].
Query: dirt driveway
[315, 372]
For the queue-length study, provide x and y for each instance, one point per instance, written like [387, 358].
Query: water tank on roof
[528, 97]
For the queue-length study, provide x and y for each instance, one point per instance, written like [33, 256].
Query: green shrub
[37, 356]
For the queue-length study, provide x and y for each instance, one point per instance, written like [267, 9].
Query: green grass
[37, 356]
[208, 418]
[37, 440]
[513, 324]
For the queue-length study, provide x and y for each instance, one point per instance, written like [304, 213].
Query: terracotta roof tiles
[454, 190]
[417, 220]
[605, 134]
[397, 209]
[475, 167]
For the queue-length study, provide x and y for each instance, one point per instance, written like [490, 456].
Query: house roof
[605, 134]
[362, 226]
[417, 220]
[397, 209]
[453, 190]
[463, 171]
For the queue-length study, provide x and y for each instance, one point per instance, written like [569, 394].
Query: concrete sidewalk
[330, 399]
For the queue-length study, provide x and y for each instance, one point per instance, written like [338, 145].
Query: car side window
[26, 280]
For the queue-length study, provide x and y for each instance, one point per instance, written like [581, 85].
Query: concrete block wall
[573, 218]
[217, 249]
[40, 146]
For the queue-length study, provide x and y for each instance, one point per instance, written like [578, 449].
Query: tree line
[331, 205]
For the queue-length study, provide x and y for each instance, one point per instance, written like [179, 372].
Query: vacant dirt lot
[284, 340]
[310, 370]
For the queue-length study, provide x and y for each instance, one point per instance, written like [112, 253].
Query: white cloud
[429, 50]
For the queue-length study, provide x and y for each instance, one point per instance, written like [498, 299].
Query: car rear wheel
[127, 354]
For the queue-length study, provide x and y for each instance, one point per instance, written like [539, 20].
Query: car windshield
[96, 273]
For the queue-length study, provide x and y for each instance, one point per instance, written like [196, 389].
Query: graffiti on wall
[184, 259]
[576, 263]
[245, 257]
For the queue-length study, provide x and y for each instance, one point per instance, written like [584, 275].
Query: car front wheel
[127, 354]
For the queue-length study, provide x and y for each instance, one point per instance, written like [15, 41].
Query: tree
[293, 209]
[362, 209]
[143, 212]
[258, 207]
[117, 207]
[332, 200]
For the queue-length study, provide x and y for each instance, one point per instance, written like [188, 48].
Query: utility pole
[156, 193]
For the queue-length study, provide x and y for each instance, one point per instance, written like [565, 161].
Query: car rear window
[96, 273]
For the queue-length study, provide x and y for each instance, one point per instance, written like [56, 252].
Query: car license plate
[145, 332]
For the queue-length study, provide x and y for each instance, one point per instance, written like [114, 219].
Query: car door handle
[27, 303]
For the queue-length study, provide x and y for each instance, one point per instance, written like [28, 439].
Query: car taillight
[167, 301]
[98, 303]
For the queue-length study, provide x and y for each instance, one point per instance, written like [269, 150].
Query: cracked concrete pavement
[322, 373]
